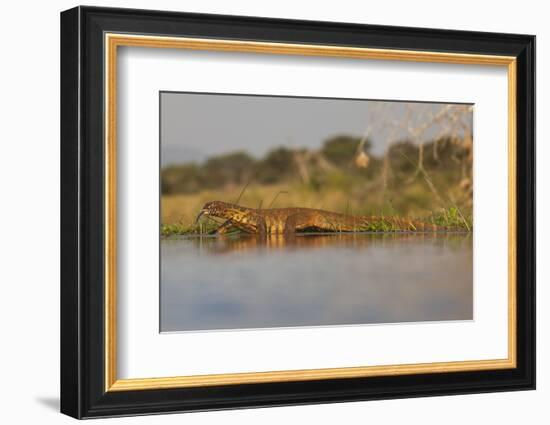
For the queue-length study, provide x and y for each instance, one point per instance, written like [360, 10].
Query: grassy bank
[408, 201]
[178, 212]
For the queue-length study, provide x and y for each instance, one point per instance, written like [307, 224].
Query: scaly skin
[288, 221]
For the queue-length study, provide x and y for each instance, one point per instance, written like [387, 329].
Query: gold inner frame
[113, 41]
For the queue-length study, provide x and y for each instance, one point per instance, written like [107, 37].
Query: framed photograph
[261, 212]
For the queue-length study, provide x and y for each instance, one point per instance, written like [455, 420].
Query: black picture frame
[83, 392]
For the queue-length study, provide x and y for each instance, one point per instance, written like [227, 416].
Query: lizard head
[218, 209]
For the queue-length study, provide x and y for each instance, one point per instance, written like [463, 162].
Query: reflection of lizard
[290, 220]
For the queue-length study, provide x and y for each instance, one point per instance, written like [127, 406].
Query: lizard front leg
[253, 225]
[225, 227]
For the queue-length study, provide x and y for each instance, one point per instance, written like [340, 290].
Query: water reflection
[242, 243]
[314, 280]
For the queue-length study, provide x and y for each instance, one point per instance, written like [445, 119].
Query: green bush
[186, 178]
[341, 150]
[235, 167]
[276, 166]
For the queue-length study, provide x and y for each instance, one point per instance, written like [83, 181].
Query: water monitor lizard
[288, 221]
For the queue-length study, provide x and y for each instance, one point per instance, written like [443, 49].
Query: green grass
[452, 217]
[175, 229]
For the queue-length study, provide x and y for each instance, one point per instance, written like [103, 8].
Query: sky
[196, 126]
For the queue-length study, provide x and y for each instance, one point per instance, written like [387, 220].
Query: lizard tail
[398, 224]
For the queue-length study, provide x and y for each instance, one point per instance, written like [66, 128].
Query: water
[244, 282]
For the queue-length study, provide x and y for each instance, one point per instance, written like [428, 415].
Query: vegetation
[430, 181]
[341, 150]
[184, 229]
